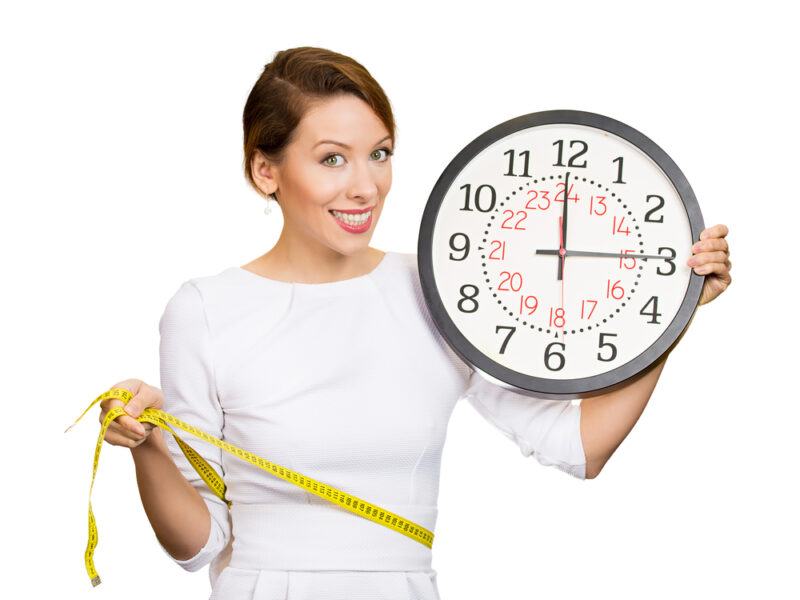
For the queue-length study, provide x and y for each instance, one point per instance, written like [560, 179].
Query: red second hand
[561, 253]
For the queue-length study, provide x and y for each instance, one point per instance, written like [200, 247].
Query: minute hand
[609, 254]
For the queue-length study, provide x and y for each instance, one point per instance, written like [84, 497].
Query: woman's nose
[363, 181]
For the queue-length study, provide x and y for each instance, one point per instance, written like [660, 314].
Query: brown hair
[290, 85]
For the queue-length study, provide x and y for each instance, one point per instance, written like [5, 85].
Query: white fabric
[347, 382]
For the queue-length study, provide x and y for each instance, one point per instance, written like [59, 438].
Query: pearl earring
[268, 208]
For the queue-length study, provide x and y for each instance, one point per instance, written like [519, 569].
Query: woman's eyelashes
[326, 161]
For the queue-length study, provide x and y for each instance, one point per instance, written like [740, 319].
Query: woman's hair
[289, 86]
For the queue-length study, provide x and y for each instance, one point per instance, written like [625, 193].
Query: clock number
[499, 246]
[619, 170]
[526, 154]
[478, 197]
[601, 201]
[610, 345]
[615, 229]
[548, 355]
[594, 305]
[558, 320]
[561, 187]
[615, 291]
[465, 298]
[571, 163]
[669, 260]
[535, 196]
[523, 303]
[512, 280]
[654, 209]
[511, 216]
[464, 248]
[623, 260]
[511, 331]
[654, 314]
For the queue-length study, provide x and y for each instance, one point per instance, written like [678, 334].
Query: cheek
[385, 181]
[315, 190]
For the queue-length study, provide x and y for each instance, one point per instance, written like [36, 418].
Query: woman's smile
[353, 221]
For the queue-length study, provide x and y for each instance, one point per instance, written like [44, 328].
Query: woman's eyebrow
[345, 145]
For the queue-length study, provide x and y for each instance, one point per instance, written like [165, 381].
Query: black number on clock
[511, 331]
[464, 248]
[478, 197]
[654, 314]
[619, 170]
[610, 345]
[571, 163]
[526, 154]
[654, 209]
[668, 260]
[548, 355]
[465, 298]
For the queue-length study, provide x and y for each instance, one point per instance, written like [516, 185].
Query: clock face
[552, 253]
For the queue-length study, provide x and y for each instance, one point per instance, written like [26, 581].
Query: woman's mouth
[353, 223]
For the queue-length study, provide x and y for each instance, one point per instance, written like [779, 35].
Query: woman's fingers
[714, 267]
[709, 244]
[707, 257]
[716, 231]
[147, 396]
[128, 423]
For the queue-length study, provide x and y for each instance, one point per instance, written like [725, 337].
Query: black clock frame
[527, 384]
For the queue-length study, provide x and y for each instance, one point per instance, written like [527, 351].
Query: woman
[321, 356]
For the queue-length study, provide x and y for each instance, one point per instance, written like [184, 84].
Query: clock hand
[610, 254]
[563, 243]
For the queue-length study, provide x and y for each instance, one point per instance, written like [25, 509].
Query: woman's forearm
[607, 419]
[177, 512]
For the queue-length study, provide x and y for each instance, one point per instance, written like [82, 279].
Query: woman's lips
[354, 228]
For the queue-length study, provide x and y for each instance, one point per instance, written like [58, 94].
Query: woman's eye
[386, 150]
[327, 159]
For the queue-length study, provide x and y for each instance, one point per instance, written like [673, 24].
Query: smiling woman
[322, 356]
[318, 138]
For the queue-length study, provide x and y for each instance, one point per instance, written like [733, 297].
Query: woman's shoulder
[406, 260]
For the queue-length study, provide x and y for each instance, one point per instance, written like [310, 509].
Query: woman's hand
[712, 259]
[125, 430]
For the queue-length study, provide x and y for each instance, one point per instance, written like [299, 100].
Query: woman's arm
[178, 514]
[606, 420]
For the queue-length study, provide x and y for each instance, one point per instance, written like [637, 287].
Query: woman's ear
[264, 173]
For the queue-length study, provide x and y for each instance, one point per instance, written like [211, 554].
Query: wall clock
[552, 253]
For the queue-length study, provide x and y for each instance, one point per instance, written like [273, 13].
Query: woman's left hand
[710, 257]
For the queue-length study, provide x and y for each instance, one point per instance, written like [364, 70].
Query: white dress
[347, 382]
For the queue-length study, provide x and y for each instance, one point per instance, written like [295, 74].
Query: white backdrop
[121, 178]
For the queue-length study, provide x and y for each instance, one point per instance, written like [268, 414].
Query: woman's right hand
[125, 430]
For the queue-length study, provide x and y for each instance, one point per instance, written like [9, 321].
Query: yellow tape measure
[159, 418]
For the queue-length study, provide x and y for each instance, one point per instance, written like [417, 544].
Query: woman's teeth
[352, 219]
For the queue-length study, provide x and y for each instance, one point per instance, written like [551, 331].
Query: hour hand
[608, 254]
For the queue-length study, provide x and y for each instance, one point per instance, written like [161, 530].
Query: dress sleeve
[547, 429]
[189, 388]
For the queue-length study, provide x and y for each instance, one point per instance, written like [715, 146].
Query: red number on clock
[615, 229]
[600, 201]
[499, 246]
[524, 302]
[510, 216]
[594, 305]
[510, 279]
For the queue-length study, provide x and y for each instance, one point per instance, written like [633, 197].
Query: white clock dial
[557, 252]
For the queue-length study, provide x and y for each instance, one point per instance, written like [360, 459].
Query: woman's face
[339, 160]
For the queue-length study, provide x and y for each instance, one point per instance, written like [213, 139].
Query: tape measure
[159, 418]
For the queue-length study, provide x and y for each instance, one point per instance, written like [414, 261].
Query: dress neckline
[328, 285]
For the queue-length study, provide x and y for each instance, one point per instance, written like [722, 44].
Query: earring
[268, 207]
